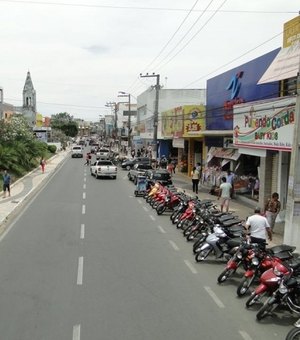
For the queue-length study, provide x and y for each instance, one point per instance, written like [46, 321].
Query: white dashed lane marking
[174, 245]
[76, 332]
[80, 271]
[161, 229]
[212, 294]
[82, 231]
[191, 267]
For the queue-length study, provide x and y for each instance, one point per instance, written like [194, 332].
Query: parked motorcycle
[288, 293]
[270, 279]
[240, 257]
[222, 242]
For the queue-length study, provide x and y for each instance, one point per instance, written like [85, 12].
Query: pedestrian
[272, 208]
[257, 226]
[230, 179]
[195, 174]
[225, 194]
[88, 158]
[43, 163]
[170, 168]
[6, 183]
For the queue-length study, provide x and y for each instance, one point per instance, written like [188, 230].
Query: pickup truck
[104, 168]
[138, 169]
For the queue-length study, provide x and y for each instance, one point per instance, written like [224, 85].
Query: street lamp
[124, 94]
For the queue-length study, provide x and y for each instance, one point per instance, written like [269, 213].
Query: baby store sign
[265, 125]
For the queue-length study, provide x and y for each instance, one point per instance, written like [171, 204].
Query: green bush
[52, 148]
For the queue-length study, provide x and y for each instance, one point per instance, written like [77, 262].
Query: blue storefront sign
[237, 86]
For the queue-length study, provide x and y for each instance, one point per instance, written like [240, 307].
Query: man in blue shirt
[6, 183]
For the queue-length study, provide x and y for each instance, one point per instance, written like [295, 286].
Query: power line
[194, 36]
[28, 2]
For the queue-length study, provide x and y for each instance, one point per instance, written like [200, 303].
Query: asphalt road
[87, 260]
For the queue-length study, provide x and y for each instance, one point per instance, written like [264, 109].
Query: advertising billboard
[265, 125]
[237, 86]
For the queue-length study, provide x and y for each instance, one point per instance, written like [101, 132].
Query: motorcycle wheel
[154, 204]
[186, 227]
[197, 245]
[244, 286]
[265, 310]
[252, 299]
[160, 209]
[179, 224]
[293, 334]
[173, 215]
[202, 255]
[225, 275]
[192, 235]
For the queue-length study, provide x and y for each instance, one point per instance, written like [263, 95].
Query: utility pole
[155, 116]
[114, 106]
[292, 218]
[124, 94]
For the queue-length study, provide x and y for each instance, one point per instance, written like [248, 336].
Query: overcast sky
[81, 53]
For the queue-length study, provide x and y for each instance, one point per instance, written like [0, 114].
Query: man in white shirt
[225, 193]
[257, 226]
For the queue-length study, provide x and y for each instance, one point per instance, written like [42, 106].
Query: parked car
[77, 151]
[161, 175]
[138, 169]
[104, 168]
[129, 163]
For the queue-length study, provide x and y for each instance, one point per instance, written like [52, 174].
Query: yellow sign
[193, 120]
[291, 32]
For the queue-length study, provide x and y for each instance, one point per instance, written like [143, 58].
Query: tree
[64, 122]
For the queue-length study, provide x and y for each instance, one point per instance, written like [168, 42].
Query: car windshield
[105, 163]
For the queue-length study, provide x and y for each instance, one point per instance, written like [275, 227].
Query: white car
[77, 151]
[103, 153]
[104, 168]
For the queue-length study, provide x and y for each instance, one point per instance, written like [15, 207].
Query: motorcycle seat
[234, 242]
[229, 223]
[282, 248]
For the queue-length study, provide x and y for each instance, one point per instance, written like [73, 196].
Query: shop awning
[226, 153]
[284, 66]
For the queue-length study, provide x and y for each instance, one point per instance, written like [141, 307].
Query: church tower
[29, 95]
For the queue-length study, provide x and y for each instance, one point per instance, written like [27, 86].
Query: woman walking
[195, 179]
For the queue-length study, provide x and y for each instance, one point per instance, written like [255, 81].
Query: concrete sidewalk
[26, 187]
[240, 205]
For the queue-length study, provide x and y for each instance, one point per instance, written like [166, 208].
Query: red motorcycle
[171, 200]
[270, 279]
[188, 215]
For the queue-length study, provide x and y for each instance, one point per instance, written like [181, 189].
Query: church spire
[29, 95]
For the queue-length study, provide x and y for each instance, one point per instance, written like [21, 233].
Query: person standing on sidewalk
[225, 194]
[230, 179]
[257, 226]
[43, 163]
[195, 179]
[272, 209]
[6, 183]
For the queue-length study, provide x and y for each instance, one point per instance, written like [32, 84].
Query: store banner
[265, 125]
[230, 154]
[284, 66]
[178, 143]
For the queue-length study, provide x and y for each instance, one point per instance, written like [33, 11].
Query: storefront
[185, 124]
[265, 130]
